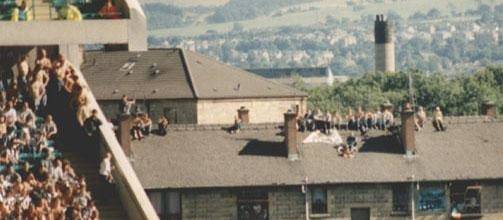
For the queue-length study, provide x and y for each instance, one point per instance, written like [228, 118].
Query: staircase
[42, 10]
[88, 165]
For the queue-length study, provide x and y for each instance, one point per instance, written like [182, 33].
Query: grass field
[335, 8]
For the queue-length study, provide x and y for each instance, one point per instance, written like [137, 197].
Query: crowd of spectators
[360, 121]
[65, 10]
[36, 182]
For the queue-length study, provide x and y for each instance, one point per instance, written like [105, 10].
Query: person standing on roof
[126, 105]
[438, 119]
[421, 118]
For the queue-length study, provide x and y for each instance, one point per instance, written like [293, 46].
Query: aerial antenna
[412, 97]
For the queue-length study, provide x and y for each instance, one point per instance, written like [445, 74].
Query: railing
[132, 195]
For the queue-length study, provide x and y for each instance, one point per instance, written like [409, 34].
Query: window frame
[324, 207]
[405, 190]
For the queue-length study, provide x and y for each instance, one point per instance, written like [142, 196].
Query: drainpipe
[413, 209]
[306, 199]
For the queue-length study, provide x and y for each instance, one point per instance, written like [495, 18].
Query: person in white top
[106, 167]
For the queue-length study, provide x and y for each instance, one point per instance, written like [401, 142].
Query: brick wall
[261, 110]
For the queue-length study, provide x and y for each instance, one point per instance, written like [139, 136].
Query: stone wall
[262, 110]
[209, 204]
[177, 111]
[287, 204]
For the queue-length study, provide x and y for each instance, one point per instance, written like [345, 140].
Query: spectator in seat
[42, 61]
[163, 125]
[438, 119]
[25, 114]
[21, 13]
[109, 11]
[10, 114]
[70, 12]
[49, 127]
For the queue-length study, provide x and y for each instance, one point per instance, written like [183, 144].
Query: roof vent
[154, 65]
[198, 62]
[156, 72]
[237, 87]
[154, 91]
[129, 72]
[115, 91]
[268, 87]
[215, 89]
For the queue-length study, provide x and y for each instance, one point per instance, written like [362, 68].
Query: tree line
[459, 95]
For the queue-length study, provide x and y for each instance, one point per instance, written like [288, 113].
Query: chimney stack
[124, 132]
[243, 114]
[290, 130]
[489, 109]
[384, 45]
[408, 130]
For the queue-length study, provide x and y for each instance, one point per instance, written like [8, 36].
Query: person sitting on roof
[70, 12]
[421, 118]
[345, 151]
[237, 125]
[136, 130]
[438, 119]
[21, 13]
[388, 118]
[146, 124]
[109, 11]
[351, 141]
[163, 125]
[126, 105]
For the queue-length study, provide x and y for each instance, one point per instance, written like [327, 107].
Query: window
[401, 197]
[431, 199]
[166, 204]
[156, 200]
[253, 205]
[465, 198]
[173, 205]
[318, 200]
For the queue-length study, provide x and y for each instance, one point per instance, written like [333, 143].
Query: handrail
[123, 173]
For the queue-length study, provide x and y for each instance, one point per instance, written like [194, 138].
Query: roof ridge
[188, 72]
[294, 90]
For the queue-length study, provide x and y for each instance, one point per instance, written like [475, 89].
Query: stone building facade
[347, 201]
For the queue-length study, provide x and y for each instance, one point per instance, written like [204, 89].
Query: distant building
[186, 87]
[312, 77]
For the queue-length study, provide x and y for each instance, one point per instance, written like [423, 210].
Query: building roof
[304, 72]
[173, 74]
[193, 158]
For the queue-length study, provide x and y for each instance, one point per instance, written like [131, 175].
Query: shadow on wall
[382, 144]
[256, 147]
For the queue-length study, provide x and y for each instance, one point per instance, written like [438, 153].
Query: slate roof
[255, 157]
[181, 75]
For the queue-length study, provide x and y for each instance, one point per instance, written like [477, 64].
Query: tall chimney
[489, 109]
[384, 45]
[290, 130]
[408, 130]
[124, 132]
[243, 114]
